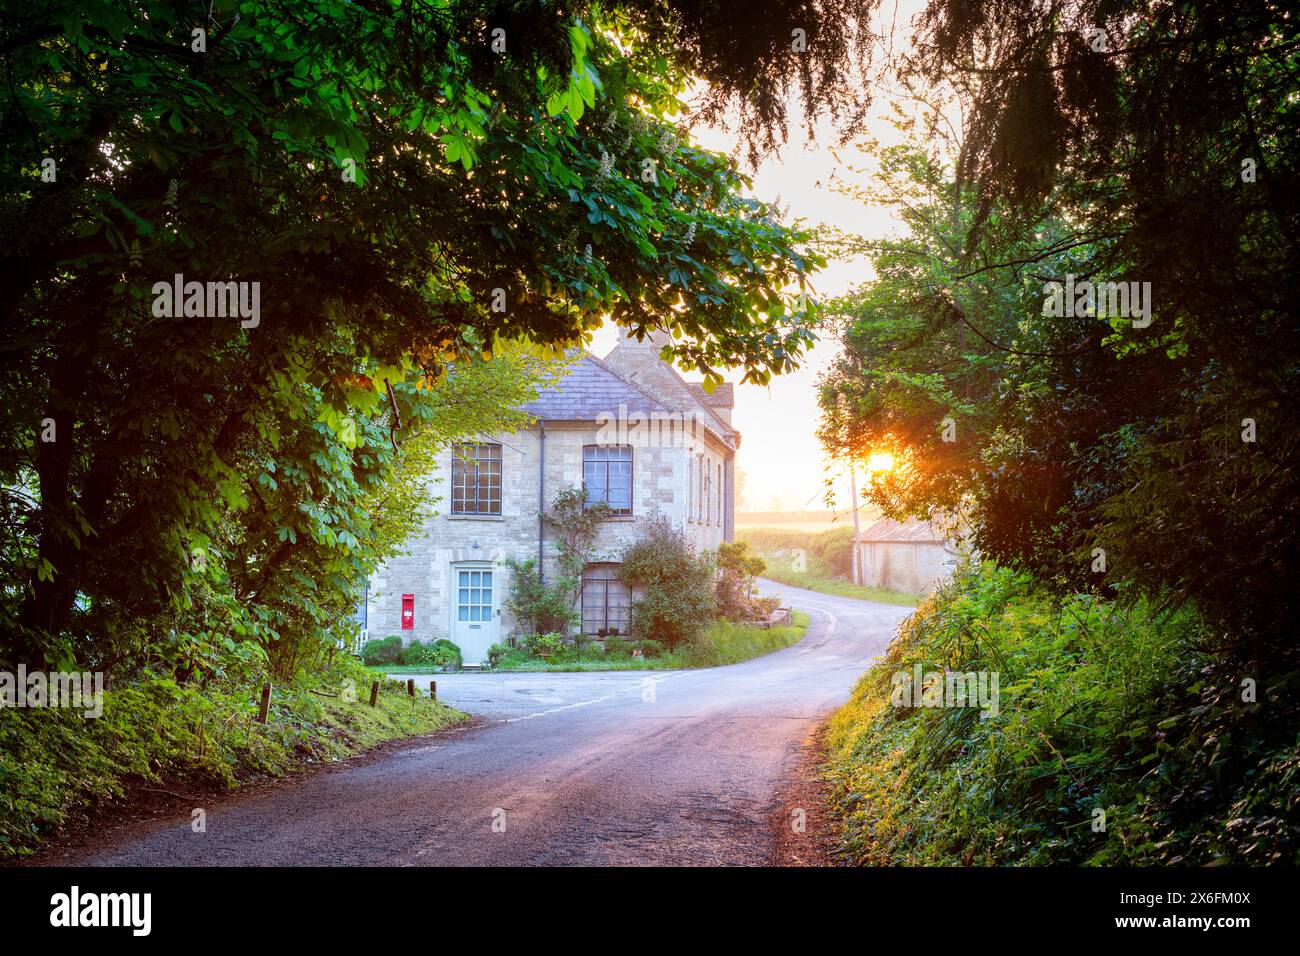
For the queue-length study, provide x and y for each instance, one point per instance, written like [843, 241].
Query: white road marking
[640, 685]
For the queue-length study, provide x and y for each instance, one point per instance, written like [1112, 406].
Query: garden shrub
[541, 645]
[734, 592]
[388, 650]
[540, 608]
[676, 584]
[439, 653]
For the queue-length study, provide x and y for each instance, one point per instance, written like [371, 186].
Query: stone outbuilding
[910, 556]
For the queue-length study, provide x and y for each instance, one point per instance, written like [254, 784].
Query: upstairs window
[607, 476]
[720, 516]
[699, 490]
[708, 494]
[476, 479]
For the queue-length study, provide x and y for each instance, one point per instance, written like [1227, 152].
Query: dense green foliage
[674, 586]
[438, 655]
[1141, 465]
[1171, 446]
[734, 594]
[719, 644]
[410, 201]
[56, 767]
[1103, 707]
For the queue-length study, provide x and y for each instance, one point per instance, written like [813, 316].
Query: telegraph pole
[853, 490]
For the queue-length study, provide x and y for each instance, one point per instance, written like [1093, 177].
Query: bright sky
[783, 463]
[782, 460]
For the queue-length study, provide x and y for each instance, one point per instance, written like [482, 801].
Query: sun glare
[880, 461]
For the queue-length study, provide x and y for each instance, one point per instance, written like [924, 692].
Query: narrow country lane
[670, 767]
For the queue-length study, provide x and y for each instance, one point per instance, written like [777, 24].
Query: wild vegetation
[1121, 738]
[162, 736]
[1126, 461]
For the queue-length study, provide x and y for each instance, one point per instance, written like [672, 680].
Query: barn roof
[911, 531]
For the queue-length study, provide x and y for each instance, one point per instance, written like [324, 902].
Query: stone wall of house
[667, 462]
[658, 472]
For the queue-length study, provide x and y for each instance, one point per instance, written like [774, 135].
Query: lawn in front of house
[723, 643]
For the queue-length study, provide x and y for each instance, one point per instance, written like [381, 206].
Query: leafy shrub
[448, 652]
[616, 646]
[439, 653]
[389, 650]
[734, 591]
[543, 645]
[496, 652]
[677, 585]
[650, 648]
[538, 607]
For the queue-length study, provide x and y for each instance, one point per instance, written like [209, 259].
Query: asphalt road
[628, 768]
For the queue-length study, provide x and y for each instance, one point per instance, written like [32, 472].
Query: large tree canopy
[1152, 143]
[409, 184]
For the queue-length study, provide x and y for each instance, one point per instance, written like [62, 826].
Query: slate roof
[588, 389]
[911, 531]
[724, 396]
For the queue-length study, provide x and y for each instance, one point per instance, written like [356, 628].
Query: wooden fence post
[433, 690]
[266, 704]
[374, 693]
[410, 686]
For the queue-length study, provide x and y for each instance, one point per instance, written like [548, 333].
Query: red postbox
[408, 611]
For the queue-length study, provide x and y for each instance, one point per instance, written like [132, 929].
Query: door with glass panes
[475, 620]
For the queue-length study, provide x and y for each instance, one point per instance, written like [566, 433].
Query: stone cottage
[631, 431]
[910, 556]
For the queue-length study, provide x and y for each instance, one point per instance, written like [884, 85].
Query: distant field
[813, 527]
[811, 521]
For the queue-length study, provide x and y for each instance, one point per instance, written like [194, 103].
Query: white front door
[475, 621]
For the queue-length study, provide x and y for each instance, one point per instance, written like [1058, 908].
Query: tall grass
[56, 765]
[1121, 738]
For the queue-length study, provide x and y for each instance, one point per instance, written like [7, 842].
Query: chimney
[653, 339]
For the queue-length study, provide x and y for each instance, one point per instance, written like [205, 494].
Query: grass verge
[838, 586]
[1121, 736]
[57, 766]
[722, 644]
[817, 562]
